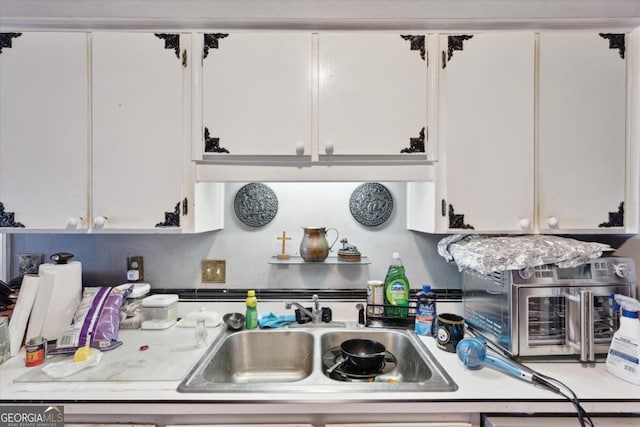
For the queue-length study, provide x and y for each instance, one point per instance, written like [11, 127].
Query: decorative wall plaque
[255, 204]
[371, 204]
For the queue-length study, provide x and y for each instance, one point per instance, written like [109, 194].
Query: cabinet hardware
[100, 221]
[416, 145]
[184, 58]
[7, 219]
[616, 219]
[616, 41]
[457, 220]
[171, 41]
[171, 219]
[185, 205]
[6, 38]
[443, 207]
[416, 43]
[212, 145]
[454, 43]
[211, 42]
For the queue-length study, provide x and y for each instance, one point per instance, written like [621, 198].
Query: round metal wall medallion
[371, 204]
[255, 204]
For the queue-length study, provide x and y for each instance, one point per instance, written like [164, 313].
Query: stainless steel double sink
[295, 360]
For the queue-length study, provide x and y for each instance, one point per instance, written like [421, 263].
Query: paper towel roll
[20, 315]
[58, 298]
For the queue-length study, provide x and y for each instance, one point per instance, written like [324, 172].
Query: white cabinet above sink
[310, 99]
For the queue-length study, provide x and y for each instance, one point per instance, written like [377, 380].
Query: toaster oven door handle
[587, 344]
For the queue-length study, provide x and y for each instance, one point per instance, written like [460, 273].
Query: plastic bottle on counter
[425, 312]
[201, 328]
[396, 288]
[623, 359]
[251, 315]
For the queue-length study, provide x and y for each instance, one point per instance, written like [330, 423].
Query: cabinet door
[581, 147]
[256, 94]
[373, 94]
[137, 130]
[43, 131]
[487, 130]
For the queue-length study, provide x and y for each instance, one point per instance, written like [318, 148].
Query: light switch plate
[214, 271]
[29, 263]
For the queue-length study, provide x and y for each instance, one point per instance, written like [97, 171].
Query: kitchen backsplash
[174, 260]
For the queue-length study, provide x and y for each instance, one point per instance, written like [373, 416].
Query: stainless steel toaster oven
[547, 310]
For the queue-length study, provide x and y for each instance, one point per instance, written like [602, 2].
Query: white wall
[173, 261]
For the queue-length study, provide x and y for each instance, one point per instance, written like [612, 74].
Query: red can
[36, 351]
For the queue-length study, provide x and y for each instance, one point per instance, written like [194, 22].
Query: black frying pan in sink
[363, 354]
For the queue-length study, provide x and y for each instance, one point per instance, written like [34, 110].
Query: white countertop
[134, 382]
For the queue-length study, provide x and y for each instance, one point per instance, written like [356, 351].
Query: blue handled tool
[472, 352]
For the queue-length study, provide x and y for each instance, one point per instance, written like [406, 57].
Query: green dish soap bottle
[251, 316]
[396, 289]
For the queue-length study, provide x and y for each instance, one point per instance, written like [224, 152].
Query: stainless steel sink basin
[410, 365]
[249, 357]
[297, 360]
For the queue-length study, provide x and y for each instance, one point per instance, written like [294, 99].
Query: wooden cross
[284, 238]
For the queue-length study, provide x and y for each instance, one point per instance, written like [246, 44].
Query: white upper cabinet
[137, 115]
[304, 97]
[373, 94]
[256, 95]
[486, 132]
[43, 131]
[582, 123]
[532, 137]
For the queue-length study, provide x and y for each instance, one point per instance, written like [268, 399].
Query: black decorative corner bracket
[211, 42]
[457, 220]
[171, 219]
[454, 43]
[171, 41]
[616, 41]
[7, 219]
[416, 43]
[416, 145]
[212, 145]
[616, 219]
[6, 38]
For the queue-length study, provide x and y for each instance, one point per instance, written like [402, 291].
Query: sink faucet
[316, 312]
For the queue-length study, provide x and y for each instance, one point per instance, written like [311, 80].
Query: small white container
[159, 311]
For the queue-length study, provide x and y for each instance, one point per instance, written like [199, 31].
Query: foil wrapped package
[488, 254]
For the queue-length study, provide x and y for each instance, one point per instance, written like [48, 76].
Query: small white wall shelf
[332, 260]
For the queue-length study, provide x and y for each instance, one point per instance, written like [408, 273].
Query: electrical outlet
[214, 271]
[135, 269]
[29, 263]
